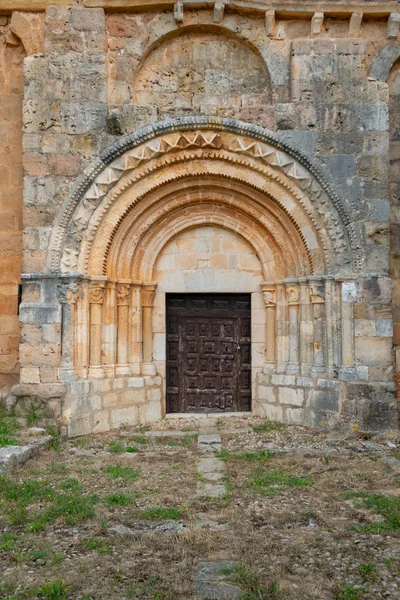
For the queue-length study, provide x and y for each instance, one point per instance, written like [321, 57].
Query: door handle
[237, 347]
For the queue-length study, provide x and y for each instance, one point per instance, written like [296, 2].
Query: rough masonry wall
[11, 95]
[394, 119]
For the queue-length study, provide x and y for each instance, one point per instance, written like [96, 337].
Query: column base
[122, 370]
[317, 370]
[96, 372]
[109, 370]
[66, 374]
[149, 369]
[135, 369]
[293, 368]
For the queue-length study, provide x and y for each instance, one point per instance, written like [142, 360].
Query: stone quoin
[199, 210]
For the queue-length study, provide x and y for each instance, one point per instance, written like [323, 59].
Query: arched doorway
[201, 206]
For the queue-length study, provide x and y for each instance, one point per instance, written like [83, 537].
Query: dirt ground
[307, 516]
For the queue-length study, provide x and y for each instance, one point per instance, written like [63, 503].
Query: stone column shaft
[269, 295]
[147, 295]
[123, 301]
[109, 330]
[293, 300]
[282, 333]
[68, 297]
[306, 329]
[317, 297]
[82, 331]
[135, 342]
[96, 299]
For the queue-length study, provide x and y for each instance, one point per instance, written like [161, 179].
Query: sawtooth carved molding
[166, 137]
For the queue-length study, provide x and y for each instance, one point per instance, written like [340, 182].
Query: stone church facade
[199, 210]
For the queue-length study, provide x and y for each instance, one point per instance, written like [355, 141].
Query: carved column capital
[269, 294]
[293, 295]
[123, 294]
[317, 292]
[96, 294]
[67, 293]
[148, 293]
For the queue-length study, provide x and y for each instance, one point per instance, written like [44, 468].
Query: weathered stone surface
[212, 583]
[142, 527]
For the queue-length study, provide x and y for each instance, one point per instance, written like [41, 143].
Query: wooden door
[208, 352]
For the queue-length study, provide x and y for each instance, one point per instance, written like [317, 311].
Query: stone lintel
[283, 8]
[8, 6]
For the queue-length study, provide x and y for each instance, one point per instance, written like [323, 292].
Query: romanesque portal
[206, 217]
[203, 206]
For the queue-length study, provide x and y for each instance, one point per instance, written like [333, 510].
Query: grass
[250, 582]
[268, 426]
[118, 499]
[71, 507]
[268, 483]
[367, 572]
[171, 513]
[257, 455]
[121, 472]
[347, 592]
[116, 447]
[55, 590]
[387, 507]
[98, 545]
[8, 430]
[184, 441]
[7, 542]
[131, 449]
[140, 439]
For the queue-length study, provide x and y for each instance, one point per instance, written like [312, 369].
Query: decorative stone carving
[317, 293]
[67, 293]
[148, 292]
[96, 295]
[293, 295]
[332, 211]
[123, 294]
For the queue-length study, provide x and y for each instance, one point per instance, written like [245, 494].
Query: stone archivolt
[329, 213]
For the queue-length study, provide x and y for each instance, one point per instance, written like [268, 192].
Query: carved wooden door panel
[208, 352]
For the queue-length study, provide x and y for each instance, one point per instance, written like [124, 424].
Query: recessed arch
[248, 144]
[191, 80]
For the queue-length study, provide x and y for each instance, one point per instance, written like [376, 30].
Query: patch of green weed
[7, 542]
[347, 592]
[55, 590]
[267, 482]
[140, 439]
[131, 449]
[250, 582]
[121, 472]
[386, 506]
[368, 572]
[256, 455]
[116, 446]
[268, 426]
[71, 484]
[8, 430]
[171, 513]
[98, 545]
[118, 499]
